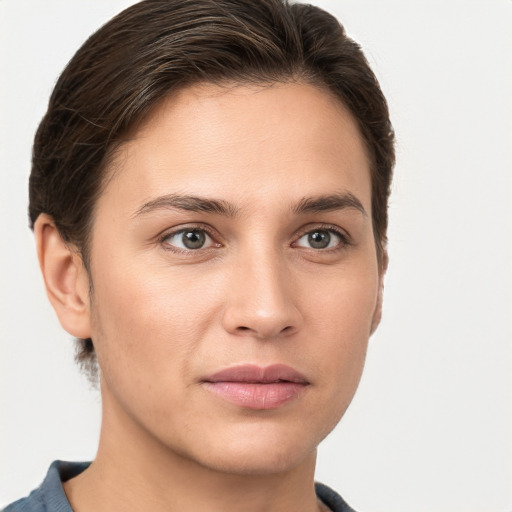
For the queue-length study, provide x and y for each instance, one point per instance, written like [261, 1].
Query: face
[235, 276]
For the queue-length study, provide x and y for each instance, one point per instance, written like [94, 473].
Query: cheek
[342, 303]
[148, 320]
[340, 320]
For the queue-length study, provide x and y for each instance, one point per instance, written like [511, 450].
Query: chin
[264, 462]
[262, 451]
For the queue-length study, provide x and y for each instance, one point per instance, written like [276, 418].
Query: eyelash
[168, 247]
[345, 240]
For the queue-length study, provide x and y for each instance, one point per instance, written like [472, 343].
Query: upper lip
[258, 374]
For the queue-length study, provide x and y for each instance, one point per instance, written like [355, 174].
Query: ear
[377, 314]
[65, 278]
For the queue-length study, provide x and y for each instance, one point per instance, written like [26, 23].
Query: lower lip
[256, 396]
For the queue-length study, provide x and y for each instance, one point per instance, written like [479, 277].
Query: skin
[163, 317]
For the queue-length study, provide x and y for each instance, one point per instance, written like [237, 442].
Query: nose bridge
[261, 301]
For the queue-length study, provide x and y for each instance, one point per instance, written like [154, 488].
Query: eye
[189, 239]
[320, 239]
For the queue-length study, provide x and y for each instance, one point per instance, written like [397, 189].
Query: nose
[262, 301]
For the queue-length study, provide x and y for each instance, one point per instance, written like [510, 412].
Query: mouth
[256, 387]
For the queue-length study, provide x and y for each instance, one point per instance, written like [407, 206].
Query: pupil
[319, 239]
[193, 239]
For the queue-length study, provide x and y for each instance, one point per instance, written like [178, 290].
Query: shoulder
[32, 503]
[332, 499]
[49, 496]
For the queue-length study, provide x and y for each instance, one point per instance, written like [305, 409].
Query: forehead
[243, 141]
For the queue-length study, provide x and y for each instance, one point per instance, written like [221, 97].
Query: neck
[134, 472]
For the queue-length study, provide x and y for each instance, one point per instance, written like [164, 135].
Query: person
[209, 200]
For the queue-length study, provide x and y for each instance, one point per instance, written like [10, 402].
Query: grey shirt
[50, 496]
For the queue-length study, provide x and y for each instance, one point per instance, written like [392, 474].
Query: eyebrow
[188, 203]
[328, 203]
[316, 204]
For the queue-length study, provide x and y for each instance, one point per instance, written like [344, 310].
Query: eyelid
[182, 229]
[345, 238]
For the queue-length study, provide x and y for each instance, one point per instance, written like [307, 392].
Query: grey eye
[189, 239]
[319, 239]
[193, 239]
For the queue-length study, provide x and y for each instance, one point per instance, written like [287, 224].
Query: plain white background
[431, 426]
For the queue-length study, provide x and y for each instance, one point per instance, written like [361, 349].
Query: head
[167, 75]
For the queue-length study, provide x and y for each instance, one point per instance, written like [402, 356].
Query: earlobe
[65, 278]
[377, 314]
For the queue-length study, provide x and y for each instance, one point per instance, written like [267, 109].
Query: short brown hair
[156, 47]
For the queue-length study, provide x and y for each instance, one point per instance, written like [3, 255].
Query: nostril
[285, 330]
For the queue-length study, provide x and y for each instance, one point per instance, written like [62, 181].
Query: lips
[256, 387]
